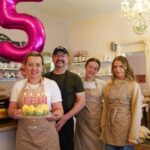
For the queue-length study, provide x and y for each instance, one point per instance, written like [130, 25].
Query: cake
[38, 110]
[45, 109]
[31, 111]
[25, 109]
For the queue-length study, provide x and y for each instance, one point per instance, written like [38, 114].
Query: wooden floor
[142, 147]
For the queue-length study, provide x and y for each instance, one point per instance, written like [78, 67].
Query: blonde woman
[121, 116]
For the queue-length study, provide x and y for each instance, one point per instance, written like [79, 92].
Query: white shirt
[50, 87]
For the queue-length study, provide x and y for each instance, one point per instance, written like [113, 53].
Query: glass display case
[9, 71]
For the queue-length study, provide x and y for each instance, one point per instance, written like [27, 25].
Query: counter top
[8, 125]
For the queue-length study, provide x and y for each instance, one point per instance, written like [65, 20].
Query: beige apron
[88, 122]
[118, 119]
[35, 134]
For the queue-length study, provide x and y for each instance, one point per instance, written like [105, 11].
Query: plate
[35, 116]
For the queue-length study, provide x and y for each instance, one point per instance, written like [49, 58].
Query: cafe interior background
[89, 28]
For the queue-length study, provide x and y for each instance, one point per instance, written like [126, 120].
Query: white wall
[95, 35]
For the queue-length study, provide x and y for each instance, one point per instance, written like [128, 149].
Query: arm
[136, 110]
[79, 104]
[13, 111]
[57, 111]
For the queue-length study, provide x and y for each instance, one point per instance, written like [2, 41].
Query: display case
[9, 71]
[8, 74]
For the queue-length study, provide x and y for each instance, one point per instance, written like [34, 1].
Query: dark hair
[60, 49]
[34, 54]
[128, 70]
[93, 60]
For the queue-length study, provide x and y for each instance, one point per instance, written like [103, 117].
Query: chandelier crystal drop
[138, 15]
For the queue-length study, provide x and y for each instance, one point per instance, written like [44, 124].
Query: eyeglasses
[60, 55]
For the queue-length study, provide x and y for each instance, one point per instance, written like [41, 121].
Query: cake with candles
[35, 105]
[35, 110]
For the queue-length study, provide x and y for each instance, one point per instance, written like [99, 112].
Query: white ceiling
[70, 10]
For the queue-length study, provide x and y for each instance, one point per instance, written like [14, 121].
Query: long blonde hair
[129, 74]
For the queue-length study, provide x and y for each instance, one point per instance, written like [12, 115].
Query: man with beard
[73, 96]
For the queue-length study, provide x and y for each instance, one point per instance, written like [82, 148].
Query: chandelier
[138, 15]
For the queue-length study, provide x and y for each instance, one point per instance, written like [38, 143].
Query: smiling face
[91, 69]
[60, 60]
[34, 67]
[118, 70]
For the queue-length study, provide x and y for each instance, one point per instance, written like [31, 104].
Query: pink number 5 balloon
[34, 29]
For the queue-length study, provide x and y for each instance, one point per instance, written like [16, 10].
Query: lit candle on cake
[43, 97]
[30, 98]
[25, 98]
[38, 97]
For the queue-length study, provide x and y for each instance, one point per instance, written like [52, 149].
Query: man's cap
[60, 49]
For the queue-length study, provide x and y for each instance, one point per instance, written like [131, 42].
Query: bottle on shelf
[80, 56]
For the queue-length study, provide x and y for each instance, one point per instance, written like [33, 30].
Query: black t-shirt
[69, 84]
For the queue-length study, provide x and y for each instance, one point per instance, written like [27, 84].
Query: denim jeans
[112, 147]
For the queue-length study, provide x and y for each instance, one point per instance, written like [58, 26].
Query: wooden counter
[142, 147]
[8, 125]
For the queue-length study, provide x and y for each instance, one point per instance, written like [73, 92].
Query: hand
[17, 114]
[53, 117]
[61, 122]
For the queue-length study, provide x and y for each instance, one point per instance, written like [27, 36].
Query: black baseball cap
[60, 49]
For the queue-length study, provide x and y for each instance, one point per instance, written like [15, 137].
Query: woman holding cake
[87, 131]
[32, 99]
[122, 112]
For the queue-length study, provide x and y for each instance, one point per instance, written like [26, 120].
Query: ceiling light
[138, 15]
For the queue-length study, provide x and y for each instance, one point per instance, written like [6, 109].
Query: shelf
[103, 75]
[8, 79]
[106, 61]
[78, 63]
[9, 69]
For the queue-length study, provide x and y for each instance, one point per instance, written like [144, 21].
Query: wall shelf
[8, 79]
[10, 69]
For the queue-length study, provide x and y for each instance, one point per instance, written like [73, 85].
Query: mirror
[138, 63]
